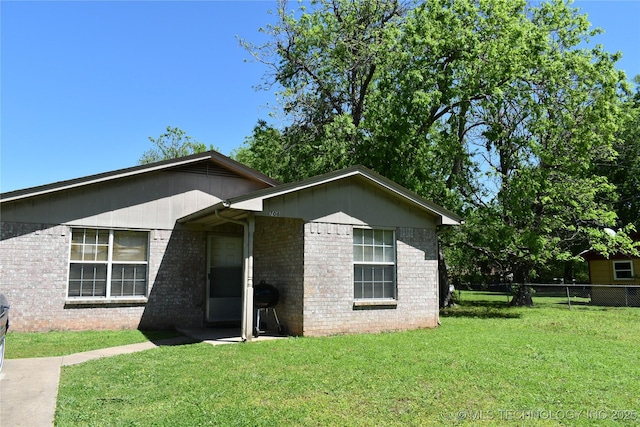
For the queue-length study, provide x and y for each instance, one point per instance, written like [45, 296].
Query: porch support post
[247, 294]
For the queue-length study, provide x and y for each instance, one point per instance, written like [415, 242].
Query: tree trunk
[521, 296]
[446, 291]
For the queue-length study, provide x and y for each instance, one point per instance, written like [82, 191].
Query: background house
[619, 276]
[180, 243]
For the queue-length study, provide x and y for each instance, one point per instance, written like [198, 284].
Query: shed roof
[213, 156]
[253, 202]
[592, 254]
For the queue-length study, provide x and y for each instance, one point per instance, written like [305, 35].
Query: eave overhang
[213, 156]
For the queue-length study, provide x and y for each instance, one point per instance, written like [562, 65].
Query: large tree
[492, 108]
[624, 170]
[326, 60]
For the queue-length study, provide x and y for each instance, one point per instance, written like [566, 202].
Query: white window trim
[108, 299]
[615, 271]
[368, 302]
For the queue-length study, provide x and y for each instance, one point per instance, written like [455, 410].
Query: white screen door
[224, 287]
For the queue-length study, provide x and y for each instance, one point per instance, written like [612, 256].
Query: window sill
[105, 302]
[374, 304]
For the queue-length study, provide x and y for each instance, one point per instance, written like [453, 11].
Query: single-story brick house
[180, 243]
[615, 279]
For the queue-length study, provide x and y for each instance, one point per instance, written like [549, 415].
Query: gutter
[248, 227]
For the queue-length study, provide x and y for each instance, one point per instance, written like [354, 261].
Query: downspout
[248, 227]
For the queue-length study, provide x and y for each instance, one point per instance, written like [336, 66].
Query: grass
[486, 364]
[47, 344]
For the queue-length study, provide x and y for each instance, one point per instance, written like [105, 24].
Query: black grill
[265, 298]
[265, 295]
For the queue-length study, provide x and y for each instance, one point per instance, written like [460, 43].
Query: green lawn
[487, 364]
[46, 344]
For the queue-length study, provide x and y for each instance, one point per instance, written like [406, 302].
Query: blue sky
[85, 83]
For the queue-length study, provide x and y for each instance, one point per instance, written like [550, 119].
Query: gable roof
[214, 157]
[253, 202]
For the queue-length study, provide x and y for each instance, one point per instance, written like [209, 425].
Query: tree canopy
[172, 144]
[497, 109]
[624, 170]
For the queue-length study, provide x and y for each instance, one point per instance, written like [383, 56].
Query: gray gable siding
[154, 201]
[350, 201]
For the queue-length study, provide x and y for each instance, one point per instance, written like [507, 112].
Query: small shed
[615, 279]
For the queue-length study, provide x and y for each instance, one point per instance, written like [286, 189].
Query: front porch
[215, 336]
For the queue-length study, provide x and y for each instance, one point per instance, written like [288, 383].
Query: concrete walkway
[29, 387]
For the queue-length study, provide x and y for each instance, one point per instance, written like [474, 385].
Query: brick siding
[310, 263]
[34, 262]
[278, 260]
[328, 291]
[178, 274]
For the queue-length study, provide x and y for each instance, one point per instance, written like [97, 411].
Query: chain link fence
[613, 295]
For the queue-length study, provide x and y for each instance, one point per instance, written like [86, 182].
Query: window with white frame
[623, 270]
[108, 263]
[374, 264]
